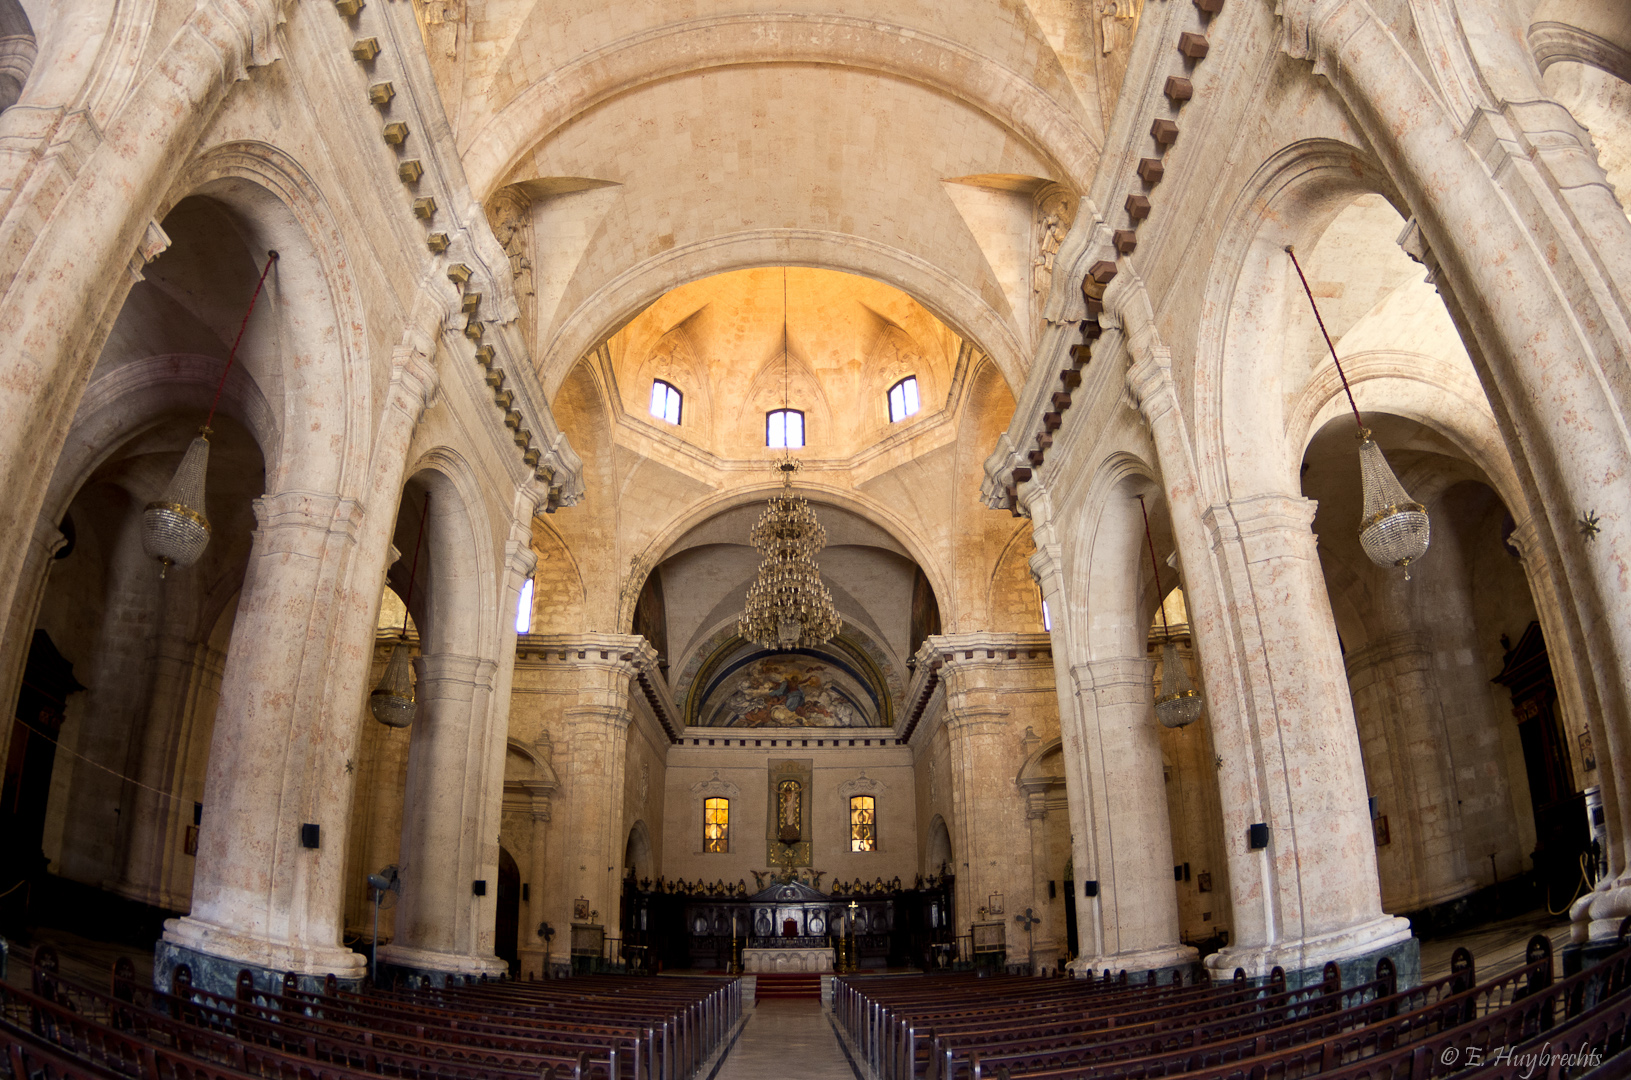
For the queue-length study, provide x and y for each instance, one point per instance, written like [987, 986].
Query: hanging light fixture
[1178, 704]
[174, 529]
[1393, 527]
[787, 605]
[392, 701]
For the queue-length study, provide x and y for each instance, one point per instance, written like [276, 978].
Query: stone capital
[441, 672]
[1149, 381]
[289, 521]
[1265, 526]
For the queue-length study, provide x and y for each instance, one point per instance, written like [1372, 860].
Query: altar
[759, 960]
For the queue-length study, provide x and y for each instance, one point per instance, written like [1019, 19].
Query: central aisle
[786, 1039]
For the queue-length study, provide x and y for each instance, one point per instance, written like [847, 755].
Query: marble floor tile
[786, 1039]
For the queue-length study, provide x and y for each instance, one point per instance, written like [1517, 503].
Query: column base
[1597, 915]
[1162, 962]
[221, 953]
[435, 967]
[1355, 950]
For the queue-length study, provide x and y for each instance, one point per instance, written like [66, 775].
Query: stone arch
[452, 610]
[1292, 197]
[1012, 591]
[625, 296]
[639, 860]
[937, 851]
[1597, 34]
[322, 327]
[698, 45]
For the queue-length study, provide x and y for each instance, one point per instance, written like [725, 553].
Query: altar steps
[791, 985]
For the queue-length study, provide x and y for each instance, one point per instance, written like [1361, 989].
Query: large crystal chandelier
[1393, 527]
[788, 606]
[174, 528]
[1178, 704]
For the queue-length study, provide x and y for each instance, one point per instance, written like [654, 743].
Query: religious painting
[789, 690]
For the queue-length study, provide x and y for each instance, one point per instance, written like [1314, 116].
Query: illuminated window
[863, 824]
[523, 609]
[903, 399]
[784, 429]
[1047, 619]
[665, 402]
[716, 825]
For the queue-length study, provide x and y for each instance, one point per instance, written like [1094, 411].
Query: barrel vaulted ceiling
[626, 149]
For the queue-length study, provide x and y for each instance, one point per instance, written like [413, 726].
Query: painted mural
[788, 691]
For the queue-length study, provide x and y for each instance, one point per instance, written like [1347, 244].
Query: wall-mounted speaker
[479, 888]
[1090, 888]
[1257, 836]
[308, 835]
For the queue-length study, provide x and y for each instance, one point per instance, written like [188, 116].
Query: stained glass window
[863, 824]
[716, 825]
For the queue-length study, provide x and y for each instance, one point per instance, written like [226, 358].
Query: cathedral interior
[411, 409]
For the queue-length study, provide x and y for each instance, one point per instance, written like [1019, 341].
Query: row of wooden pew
[1524, 1023]
[587, 1028]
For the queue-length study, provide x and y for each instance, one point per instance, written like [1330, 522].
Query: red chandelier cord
[413, 571]
[271, 258]
[1165, 629]
[1340, 374]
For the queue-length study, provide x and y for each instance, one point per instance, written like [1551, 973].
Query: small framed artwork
[995, 907]
[189, 844]
[1203, 881]
[1588, 755]
[1383, 838]
[580, 910]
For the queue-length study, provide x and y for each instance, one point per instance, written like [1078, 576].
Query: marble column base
[221, 953]
[1137, 965]
[1355, 950]
[1596, 916]
[435, 967]
[219, 974]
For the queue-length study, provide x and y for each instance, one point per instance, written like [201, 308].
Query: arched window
[784, 429]
[716, 825]
[1047, 620]
[523, 609]
[665, 401]
[863, 824]
[903, 399]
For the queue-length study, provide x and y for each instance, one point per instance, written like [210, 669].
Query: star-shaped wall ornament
[1589, 525]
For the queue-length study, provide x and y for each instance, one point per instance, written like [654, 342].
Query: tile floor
[786, 1040]
[1496, 947]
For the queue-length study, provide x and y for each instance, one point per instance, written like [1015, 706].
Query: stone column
[1322, 897]
[1404, 741]
[1044, 953]
[1282, 719]
[590, 754]
[288, 721]
[260, 897]
[439, 919]
[1135, 916]
[1533, 248]
[993, 685]
[534, 950]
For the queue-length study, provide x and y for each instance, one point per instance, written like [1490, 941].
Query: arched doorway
[507, 930]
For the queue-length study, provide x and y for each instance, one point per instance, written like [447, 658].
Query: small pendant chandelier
[787, 605]
[1393, 527]
[1178, 704]
[392, 701]
[174, 529]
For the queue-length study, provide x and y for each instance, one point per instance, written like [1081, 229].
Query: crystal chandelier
[1178, 704]
[174, 529]
[788, 606]
[392, 702]
[1393, 527]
